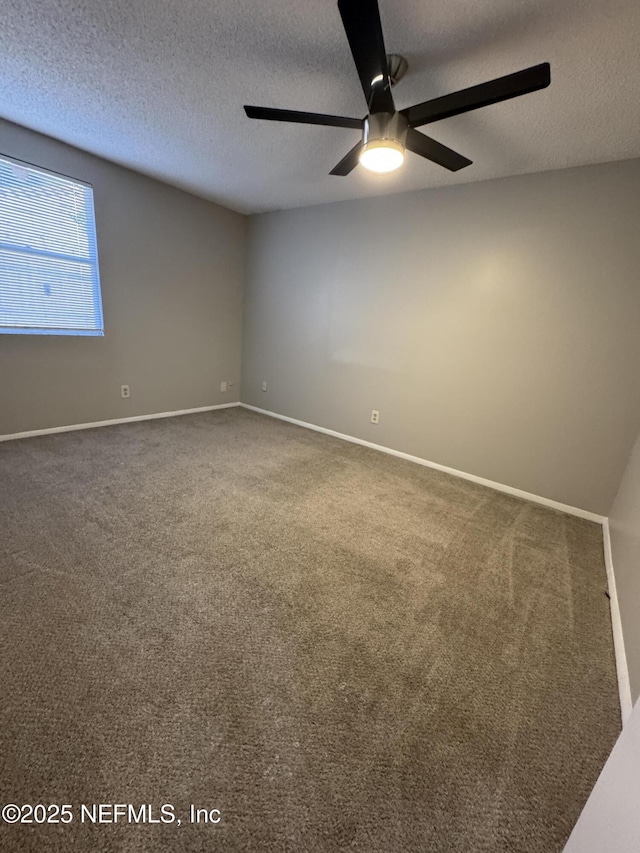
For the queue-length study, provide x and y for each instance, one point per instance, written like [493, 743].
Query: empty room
[319, 426]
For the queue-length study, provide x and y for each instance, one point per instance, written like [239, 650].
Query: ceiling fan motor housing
[380, 127]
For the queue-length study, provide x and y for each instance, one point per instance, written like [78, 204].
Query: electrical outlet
[125, 392]
[223, 386]
[264, 386]
[375, 416]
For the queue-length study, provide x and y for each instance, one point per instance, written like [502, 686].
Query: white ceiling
[159, 87]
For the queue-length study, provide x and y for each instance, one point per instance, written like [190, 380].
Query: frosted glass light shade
[382, 155]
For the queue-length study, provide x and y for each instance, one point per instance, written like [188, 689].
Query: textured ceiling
[159, 87]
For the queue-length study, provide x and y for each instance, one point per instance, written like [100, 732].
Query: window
[49, 281]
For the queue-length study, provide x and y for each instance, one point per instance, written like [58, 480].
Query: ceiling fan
[387, 132]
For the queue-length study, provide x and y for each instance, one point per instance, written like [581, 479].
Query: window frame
[92, 262]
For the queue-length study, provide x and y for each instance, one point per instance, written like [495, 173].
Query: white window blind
[49, 280]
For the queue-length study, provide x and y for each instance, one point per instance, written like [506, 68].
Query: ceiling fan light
[382, 155]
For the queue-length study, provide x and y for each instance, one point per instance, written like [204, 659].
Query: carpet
[307, 644]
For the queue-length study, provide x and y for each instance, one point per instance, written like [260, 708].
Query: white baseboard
[72, 427]
[499, 487]
[624, 686]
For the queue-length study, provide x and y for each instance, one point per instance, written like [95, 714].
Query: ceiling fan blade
[435, 151]
[303, 118]
[361, 21]
[500, 89]
[348, 162]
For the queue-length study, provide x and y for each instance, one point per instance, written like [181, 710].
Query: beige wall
[624, 523]
[495, 325]
[171, 268]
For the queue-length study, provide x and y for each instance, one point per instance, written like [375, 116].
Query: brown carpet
[337, 649]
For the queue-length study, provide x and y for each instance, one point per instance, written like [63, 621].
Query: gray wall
[171, 268]
[494, 325]
[624, 523]
[610, 821]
